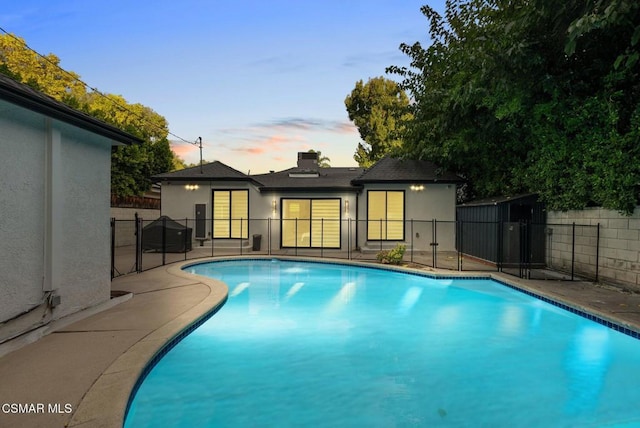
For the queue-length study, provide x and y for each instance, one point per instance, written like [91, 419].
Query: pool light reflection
[293, 290]
[344, 296]
[239, 289]
[409, 299]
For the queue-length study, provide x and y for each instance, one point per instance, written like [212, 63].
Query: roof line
[27, 97]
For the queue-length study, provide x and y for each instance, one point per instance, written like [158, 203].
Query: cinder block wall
[619, 261]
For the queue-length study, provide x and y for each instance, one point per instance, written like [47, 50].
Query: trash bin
[257, 240]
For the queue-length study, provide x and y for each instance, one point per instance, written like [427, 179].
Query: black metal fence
[527, 250]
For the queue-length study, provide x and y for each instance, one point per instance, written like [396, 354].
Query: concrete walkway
[82, 374]
[88, 368]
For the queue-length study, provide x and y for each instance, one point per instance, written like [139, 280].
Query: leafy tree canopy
[536, 96]
[380, 111]
[131, 166]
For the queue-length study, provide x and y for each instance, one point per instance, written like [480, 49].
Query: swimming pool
[318, 344]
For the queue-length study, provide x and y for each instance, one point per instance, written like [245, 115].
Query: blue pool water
[312, 344]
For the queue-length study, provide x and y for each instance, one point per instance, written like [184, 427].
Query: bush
[393, 256]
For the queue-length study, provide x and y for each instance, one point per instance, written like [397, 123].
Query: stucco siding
[434, 201]
[85, 277]
[21, 210]
[54, 206]
[179, 204]
[276, 217]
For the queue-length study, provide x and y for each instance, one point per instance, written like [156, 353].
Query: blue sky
[257, 80]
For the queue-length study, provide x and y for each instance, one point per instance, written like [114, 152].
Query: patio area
[83, 371]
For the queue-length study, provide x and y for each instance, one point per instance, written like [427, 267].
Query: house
[54, 208]
[311, 207]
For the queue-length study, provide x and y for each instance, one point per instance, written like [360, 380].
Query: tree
[379, 109]
[41, 73]
[178, 163]
[323, 161]
[535, 96]
[131, 166]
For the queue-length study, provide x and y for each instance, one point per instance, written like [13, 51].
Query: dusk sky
[259, 81]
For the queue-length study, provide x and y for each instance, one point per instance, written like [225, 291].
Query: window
[311, 223]
[385, 215]
[231, 214]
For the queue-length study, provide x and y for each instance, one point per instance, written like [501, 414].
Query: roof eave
[273, 189]
[407, 181]
[159, 179]
[66, 114]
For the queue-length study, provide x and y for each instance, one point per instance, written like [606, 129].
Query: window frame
[386, 215]
[310, 221]
[229, 220]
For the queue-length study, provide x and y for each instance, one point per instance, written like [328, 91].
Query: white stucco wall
[54, 206]
[21, 210]
[345, 217]
[179, 204]
[435, 201]
[86, 166]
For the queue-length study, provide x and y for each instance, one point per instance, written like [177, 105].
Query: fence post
[573, 247]
[269, 235]
[321, 237]
[434, 242]
[348, 239]
[138, 233]
[113, 246]
[521, 248]
[597, 249]
[241, 235]
[412, 240]
[164, 241]
[186, 224]
[380, 236]
[500, 232]
[295, 247]
[460, 228]
[525, 247]
[213, 236]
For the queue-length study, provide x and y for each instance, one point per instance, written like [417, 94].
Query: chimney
[308, 160]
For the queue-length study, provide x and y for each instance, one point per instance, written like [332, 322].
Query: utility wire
[95, 90]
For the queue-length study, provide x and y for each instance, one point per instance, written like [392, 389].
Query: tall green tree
[380, 111]
[131, 166]
[40, 72]
[535, 96]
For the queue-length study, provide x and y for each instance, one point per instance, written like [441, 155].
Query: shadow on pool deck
[91, 365]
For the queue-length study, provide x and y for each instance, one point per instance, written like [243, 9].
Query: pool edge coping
[106, 402]
[518, 284]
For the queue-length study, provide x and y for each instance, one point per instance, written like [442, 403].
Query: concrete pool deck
[81, 374]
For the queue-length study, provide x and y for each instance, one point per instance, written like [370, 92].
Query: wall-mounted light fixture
[274, 205]
[191, 187]
[417, 187]
[346, 208]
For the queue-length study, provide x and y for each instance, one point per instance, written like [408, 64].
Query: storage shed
[503, 230]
